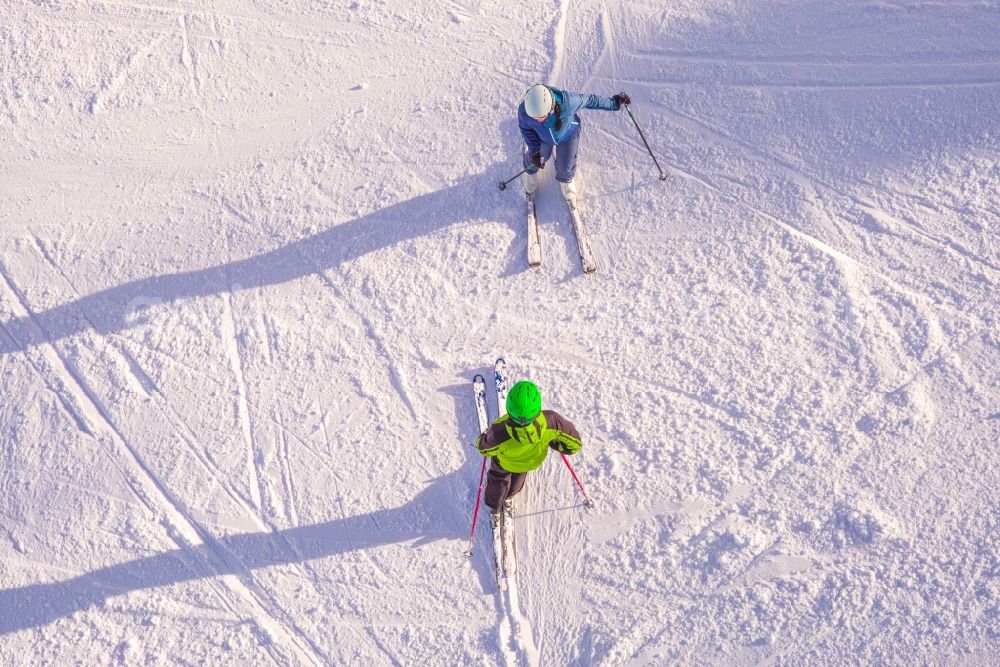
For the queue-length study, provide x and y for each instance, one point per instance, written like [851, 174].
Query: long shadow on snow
[418, 521]
[118, 308]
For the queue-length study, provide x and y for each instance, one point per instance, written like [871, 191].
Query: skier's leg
[566, 160]
[497, 485]
[530, 182]
[517, 480]
[530, 178]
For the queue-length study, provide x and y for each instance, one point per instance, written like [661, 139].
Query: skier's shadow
[425, 519]
[417, 523]
[122, 307]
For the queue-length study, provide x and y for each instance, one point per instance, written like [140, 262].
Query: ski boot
[508, 506]
[568, 190]
[530, 182]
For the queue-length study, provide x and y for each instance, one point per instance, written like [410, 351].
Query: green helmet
[524, 402]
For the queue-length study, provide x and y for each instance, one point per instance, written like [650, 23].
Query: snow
[252, 254]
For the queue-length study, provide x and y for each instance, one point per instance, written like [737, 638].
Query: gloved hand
[622, 99]
[558, 446]
[536, 159]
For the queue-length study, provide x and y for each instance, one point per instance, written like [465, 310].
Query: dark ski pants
[565, 159]
[502, 484]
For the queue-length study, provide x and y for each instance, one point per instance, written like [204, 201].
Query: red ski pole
[589, 502]
[475, 514]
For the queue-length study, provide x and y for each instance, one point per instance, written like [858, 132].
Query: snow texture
[252, 253]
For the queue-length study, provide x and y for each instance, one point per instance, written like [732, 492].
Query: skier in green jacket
[519, 440]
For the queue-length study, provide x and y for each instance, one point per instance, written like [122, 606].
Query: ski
[500, 377]
[587, 259]
[479, 394]
[534, 237]
[509, 545]
[482, 412]
[507, 550]
[497, 525]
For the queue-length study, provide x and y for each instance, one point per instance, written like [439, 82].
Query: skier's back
[519, 441]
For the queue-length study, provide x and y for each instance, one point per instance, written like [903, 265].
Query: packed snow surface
[252, 254]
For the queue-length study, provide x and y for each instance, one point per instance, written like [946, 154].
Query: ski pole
[503, 184]
[663, 175]
[475, 514]
[589, 502]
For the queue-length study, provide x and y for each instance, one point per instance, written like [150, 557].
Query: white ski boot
[530, 184]
[568, 190]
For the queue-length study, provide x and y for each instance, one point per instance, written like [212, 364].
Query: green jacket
[523, 448]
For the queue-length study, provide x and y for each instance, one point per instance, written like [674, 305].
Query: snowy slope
[251, 254]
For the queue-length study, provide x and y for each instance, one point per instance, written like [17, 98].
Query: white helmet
[538, 101]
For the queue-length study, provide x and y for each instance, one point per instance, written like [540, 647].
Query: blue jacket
[562, 124]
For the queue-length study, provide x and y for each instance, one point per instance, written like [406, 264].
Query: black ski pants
[502, 484]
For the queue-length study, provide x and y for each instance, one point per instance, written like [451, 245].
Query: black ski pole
[503, 184]
[663, 175]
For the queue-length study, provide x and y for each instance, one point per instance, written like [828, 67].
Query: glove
[536, 159]
[622, 99]
[565, 447]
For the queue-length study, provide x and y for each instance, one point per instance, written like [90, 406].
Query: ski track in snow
[558, 51]
[814, 184]
[849, 264]
[234, 355]
[95, 413]
[167, 409]
[93, 418]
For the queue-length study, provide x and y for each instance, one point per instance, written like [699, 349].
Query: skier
[547, 118]
[519, 441]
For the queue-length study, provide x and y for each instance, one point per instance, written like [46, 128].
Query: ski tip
[477, 378]
[500, 362]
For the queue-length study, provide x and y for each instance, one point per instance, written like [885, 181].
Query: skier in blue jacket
[548, 118]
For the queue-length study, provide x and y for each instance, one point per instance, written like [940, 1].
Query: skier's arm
[568, 440]
[577, 101]
[531, 139]
[488, 443]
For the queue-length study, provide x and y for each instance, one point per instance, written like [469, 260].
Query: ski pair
[587, 259]
[502, 524]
